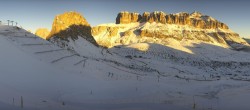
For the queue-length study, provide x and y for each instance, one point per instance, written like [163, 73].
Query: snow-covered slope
[48, 77]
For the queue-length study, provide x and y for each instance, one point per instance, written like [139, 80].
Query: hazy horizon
[33, 14]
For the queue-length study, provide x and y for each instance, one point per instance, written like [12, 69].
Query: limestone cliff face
[70, 25]
[126, 17]
[42, 32]
[159, 27]
[67, 20]
[180, 18]
[158, 17]
[195, 19]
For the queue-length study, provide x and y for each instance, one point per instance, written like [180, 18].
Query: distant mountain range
[156, 27]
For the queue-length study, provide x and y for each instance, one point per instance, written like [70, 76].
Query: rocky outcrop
[126, 17]
[42, 32]
[206, 22]
[109, 34]
[71, 25]
[158, 17]
[195, 19]
[158, 34]
[111, 31]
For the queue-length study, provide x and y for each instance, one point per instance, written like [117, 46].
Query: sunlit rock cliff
[126, 17]
[162, 28]
[70, 26]
[42, 32]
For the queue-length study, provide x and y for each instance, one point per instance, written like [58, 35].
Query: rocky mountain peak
[70, 25]
[42, 32]
[67, 20]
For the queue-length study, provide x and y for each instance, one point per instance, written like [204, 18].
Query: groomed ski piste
[38, 75]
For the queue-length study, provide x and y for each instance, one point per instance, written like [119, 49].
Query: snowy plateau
[36, 74]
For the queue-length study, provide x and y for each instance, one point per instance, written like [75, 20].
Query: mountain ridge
[158, 27]
[195, 19]
[155, 27]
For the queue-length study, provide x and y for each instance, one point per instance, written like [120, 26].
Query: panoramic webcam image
[124, 55]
